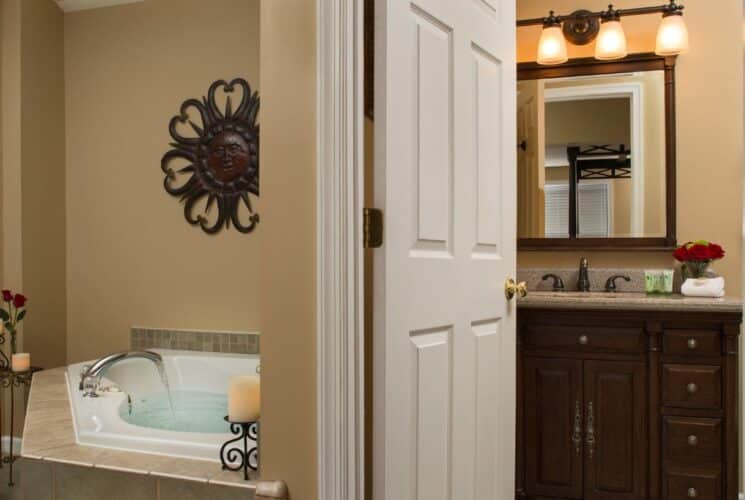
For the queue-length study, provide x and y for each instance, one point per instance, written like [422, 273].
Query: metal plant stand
[11, 380]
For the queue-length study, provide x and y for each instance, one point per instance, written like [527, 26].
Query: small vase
[696, 269]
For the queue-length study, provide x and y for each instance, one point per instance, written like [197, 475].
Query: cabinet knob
[692, 344]
[692, 493]
[692, 388]
[584, 339]
[692, 440]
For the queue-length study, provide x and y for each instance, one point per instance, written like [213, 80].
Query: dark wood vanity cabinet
[627, 405]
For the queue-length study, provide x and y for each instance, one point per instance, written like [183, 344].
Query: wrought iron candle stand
[11, 380]
[241, 458]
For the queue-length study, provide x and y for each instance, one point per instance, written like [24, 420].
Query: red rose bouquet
[697, 256]
[12, 315]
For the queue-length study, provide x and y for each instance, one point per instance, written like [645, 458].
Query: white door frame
[340, 300]
[635, 93]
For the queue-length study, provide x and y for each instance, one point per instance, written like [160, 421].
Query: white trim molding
[340, 300]
[634, 91]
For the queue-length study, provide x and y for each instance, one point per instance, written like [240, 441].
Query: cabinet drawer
[681, 484]
[585, 339]
[692, 440]
[692, 386]
[692, 342]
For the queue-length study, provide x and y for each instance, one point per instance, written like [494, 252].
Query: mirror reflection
[591, 156]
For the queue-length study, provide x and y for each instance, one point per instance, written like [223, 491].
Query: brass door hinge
[372, 228]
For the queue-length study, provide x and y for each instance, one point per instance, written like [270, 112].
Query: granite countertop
[627, 302]
[49, 435]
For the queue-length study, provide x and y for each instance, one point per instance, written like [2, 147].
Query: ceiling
[73, 5]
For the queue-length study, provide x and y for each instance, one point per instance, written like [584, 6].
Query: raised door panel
[615, 430]
[553, 427]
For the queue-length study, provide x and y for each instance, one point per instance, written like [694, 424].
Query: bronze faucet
[583, 282]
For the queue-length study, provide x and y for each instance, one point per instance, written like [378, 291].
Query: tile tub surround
[142, 338]
[627, 302]
[598, 277]
[49, 438]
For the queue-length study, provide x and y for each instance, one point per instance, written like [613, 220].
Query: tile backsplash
[194, 340]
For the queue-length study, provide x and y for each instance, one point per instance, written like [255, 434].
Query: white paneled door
[444, 335]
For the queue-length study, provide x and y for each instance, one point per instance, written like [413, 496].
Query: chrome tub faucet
[90, 377]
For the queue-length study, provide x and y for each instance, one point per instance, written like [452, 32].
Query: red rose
[700, 252]
[19, 300]
[7, 295]
[681, 254]
[717, 252]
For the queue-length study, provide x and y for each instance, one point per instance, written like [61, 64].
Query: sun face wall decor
[219, 165]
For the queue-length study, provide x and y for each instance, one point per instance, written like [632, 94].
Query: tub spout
[91, 377]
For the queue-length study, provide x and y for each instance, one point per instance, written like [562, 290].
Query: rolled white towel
[704, 287]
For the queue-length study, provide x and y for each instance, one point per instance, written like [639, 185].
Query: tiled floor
[14, 493]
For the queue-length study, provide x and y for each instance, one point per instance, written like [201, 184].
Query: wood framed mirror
[596, 154]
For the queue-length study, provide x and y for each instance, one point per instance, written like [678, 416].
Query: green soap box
[658, 280]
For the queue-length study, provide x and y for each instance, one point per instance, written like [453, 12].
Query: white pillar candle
[244, 399]
[20, 362]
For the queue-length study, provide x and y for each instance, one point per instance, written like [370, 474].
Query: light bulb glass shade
[611, 42]
[672, 36]
[552, 47]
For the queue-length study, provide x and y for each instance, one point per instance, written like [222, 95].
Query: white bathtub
[97, 420]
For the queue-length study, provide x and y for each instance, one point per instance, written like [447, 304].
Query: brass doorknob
[511, 288]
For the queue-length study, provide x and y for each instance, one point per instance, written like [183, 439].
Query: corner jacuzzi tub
[133, 411]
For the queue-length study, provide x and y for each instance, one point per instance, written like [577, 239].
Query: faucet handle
[558, 285]
[610, 285]
[90, 386]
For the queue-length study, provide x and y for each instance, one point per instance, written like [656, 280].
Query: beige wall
[288, 280]
[710, 129]
[33, 173]
[43, 181]
[594, 121]
[132, 259]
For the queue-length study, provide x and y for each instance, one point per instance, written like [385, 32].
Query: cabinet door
[553, 427]
[615, 431]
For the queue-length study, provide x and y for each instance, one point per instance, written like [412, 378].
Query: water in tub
[137, 414]
[178, 409]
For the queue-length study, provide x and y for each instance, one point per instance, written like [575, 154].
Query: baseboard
[16, 445]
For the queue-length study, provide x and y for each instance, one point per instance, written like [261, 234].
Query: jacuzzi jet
[129, 404]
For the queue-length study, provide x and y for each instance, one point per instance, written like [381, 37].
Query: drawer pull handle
[692, 344]
[693, 440]
[590, 430]
[584, 339]
[692, 493]
[577, 434]
[692, 388]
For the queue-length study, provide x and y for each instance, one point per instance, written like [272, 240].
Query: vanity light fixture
[672, 35]
[581, 27]
[611, 41]
[552, 47]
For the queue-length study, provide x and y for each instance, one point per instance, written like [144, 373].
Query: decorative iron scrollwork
[219, 165]
[235, 454]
